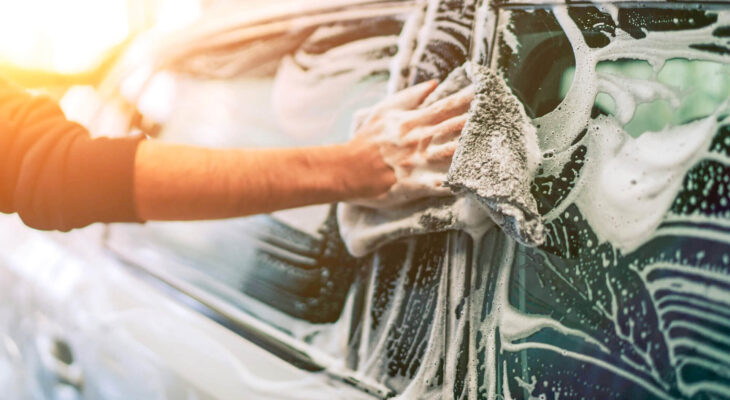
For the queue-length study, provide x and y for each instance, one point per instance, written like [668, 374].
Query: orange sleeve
[53, 174]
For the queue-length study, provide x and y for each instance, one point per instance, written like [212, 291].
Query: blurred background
[52, 43]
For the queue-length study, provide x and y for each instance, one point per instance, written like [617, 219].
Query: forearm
[174, 182]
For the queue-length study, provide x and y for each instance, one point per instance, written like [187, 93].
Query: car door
[625, 296]
[283, 280]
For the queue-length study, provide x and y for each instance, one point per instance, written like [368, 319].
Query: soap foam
[628, 183]
[624, 191]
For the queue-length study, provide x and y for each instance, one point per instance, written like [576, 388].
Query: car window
[696, 89]
[288, 269]
[631, 106]
[628, 295]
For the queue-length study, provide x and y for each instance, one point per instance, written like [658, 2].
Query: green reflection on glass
[702, 86]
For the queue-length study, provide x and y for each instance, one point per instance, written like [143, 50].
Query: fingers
[456, 104]
[449, 130]
[360, 116]
[441, 154]
[442, 133]
[446, 108]
[410, 98]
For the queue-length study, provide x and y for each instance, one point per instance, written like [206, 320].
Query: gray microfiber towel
[490, 176]
[497, 158]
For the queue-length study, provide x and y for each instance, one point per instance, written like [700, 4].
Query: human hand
[416, 142]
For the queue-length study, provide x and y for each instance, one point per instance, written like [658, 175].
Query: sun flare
[69, 36]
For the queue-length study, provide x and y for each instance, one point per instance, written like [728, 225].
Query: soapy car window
[289, 269]
[628, 296]
[634, 190]
[696, 89]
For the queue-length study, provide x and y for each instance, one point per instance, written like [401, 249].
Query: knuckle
[403, 129]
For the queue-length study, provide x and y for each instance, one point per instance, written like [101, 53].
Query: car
[627, 298]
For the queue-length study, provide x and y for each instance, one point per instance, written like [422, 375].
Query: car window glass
[289, 268]
[535, 50]
[627, 296]
[697, 89]
[535, 57]
[634, 128]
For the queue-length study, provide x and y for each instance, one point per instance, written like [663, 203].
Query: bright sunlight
[69, 36]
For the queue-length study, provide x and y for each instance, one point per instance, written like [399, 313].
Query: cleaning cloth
[497, 157]
[490, 175]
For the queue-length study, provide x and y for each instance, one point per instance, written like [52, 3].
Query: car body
[627, 298]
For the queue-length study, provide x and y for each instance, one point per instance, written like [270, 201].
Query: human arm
[177, 182]
[56, 177]
[384, 164]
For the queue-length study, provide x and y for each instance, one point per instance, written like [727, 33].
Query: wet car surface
[629, 296]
